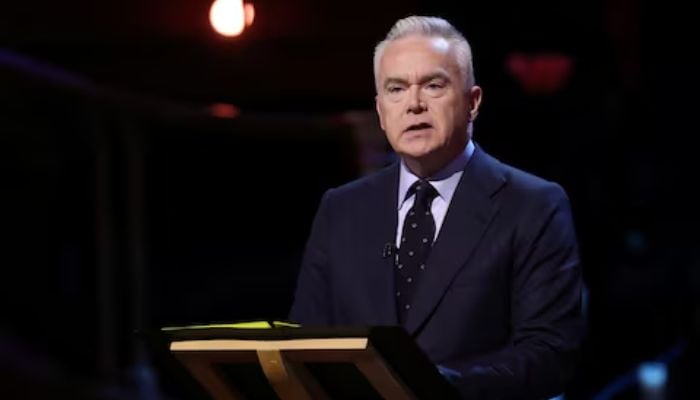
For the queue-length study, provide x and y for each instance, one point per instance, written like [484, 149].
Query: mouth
[418, 127]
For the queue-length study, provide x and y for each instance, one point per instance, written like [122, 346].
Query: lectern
[300, 363]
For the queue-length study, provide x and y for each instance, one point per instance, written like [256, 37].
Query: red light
[230, 17]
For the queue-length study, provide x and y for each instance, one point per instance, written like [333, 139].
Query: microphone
[389, 250]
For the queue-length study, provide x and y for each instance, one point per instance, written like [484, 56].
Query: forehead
[418, 55]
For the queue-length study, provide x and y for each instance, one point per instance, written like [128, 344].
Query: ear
[380, 111]
[474, 102]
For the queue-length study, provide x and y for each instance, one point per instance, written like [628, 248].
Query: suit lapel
[468, 216]
[380, 229]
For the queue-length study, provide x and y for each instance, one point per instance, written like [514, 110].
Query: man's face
[423, 105]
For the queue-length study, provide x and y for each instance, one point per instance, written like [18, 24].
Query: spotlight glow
[230, 17]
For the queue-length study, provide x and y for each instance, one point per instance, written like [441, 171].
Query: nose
[415, 102]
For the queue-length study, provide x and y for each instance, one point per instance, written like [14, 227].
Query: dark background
[132, 199]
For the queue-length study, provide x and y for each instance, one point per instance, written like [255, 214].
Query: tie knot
[424, 191]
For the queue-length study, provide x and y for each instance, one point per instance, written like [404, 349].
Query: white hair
[429, 27]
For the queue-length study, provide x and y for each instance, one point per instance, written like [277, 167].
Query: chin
[417, 153]
[416, 146]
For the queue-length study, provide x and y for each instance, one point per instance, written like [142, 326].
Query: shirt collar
[444, 181]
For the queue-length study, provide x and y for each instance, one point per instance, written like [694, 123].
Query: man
[475, 259]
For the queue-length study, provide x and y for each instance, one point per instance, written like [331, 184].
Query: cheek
[392, 129]
[443, 121]
[391, 116]
[393, 123]
[446, 118]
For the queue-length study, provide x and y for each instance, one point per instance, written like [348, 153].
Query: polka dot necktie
[415, 245]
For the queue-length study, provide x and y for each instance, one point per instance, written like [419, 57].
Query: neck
[423, 168]
[431, 164]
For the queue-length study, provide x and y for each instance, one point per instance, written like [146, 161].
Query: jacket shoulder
[383, 178]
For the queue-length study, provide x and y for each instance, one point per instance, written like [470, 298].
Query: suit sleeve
[546, 313]
[312, 305]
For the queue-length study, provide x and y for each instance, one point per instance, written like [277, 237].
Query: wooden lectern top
[306, 363]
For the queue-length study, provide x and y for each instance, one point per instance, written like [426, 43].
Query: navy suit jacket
[500, 299]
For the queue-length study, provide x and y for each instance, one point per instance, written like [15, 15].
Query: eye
[394, 89]
[436, 85]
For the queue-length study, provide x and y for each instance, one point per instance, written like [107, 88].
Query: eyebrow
[424, 79]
